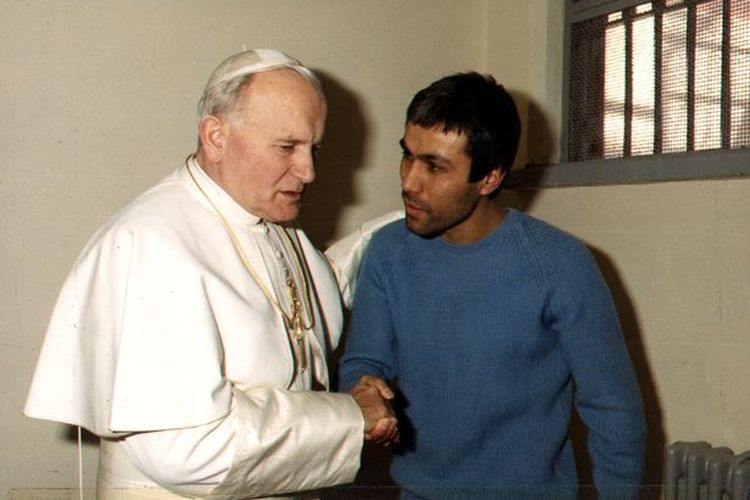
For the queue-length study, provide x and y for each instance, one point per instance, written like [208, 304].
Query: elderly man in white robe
[192, 333]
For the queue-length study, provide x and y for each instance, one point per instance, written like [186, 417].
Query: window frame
[666, 167]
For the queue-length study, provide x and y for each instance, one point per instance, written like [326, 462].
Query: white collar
[223, 201]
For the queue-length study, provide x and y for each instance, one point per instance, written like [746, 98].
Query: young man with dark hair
[491, 324]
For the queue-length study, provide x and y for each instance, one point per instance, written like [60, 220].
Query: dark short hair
[477, 106]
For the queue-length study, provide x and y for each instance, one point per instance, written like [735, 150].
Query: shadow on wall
[342, 154]
[540, 141]
[70, 433]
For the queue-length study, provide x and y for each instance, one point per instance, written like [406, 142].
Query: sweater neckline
[489, 240]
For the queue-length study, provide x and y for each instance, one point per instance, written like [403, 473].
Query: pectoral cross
[297, 331]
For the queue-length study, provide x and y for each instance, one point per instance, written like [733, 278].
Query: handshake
[373, 396]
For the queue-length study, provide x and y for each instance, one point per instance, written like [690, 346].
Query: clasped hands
[373, 396]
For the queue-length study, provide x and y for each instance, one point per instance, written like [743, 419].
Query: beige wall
[97, 102]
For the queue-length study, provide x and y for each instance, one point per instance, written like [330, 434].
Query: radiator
[697, 471]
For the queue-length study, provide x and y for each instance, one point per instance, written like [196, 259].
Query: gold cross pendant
[297, 331]
[299, 338]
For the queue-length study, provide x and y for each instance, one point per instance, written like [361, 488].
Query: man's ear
[213, 135]
[491, 181]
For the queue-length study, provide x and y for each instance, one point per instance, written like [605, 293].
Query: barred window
[660, 77]
[657, 89]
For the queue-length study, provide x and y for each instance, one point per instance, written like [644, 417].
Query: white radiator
[697, 471]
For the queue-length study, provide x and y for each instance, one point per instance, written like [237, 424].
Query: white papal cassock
[163, 345]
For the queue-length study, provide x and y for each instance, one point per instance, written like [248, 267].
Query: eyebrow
[424, 157]
[292, 140]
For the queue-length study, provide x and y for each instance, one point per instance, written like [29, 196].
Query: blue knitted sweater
[486, 343]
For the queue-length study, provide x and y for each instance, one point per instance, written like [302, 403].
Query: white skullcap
[252, 61]
[224, 85]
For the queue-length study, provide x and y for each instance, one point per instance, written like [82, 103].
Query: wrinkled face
[271, 139]
[438, 198]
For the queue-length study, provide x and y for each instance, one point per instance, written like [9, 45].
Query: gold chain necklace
[293, 321]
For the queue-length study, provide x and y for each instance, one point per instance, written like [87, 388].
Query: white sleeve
[189, 461]
[346, 254]
[272, 442]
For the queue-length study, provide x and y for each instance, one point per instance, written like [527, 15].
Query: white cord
[80, 464]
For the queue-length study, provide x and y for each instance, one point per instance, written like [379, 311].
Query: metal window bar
[726, 82]
[627, 145]
[691, 36]
[659, 67]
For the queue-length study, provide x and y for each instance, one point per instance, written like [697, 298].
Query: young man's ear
[212, 132]
[491, 181]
